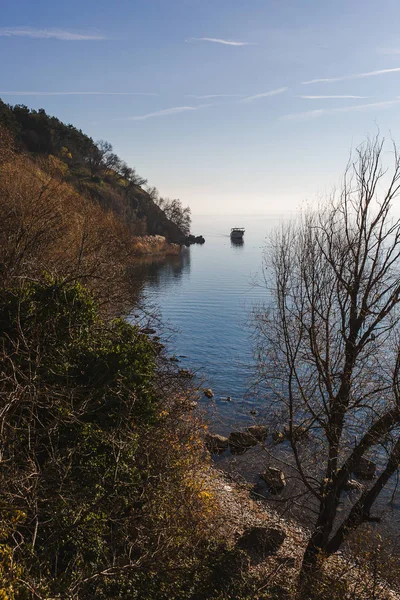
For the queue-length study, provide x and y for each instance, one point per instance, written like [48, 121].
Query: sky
[235, 107]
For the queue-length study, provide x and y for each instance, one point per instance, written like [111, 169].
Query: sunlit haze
[231, 106]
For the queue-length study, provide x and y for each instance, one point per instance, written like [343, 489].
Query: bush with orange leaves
[47, 226]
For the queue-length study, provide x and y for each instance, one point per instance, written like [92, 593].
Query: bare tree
[177, 213]
[329, 344]
[130, 174]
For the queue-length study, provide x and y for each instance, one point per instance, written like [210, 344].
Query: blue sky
[231, 106]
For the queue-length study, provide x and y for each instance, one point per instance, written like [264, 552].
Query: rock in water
[241, 440]
[259, 432]
[185, 374]
[278, 437]
[300, 433]
[260, 542]
[275, 480]
[148, 331]
[353, 485]
[215, 443]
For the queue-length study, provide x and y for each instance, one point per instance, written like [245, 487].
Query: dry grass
[154, 245]
[48, 227]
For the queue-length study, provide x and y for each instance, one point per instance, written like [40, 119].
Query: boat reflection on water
[237, 234]
[237, 242]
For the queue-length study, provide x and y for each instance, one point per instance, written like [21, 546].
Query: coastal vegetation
[106, 487]
[94, 171]
[101, 457]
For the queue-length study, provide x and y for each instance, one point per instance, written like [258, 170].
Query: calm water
[205, 298]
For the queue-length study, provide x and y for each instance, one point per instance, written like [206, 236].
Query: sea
[202, 303]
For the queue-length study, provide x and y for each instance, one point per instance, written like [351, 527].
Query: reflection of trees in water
[159, 271]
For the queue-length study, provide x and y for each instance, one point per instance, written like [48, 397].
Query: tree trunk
[317, 548]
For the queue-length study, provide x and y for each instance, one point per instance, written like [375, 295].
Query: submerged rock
[148, 331]
[274, 479]
[185, 374]
[215, 443]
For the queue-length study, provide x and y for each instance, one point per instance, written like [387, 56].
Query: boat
[237, 233]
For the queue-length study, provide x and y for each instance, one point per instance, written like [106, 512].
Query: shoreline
[239, 512]
[154, 245]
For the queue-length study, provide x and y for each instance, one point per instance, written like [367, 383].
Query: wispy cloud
[389, 51]
[330, 97]
[77, 94]
[168, 111]
[315, 114]
[355, 76]
[219, 41]
[207, 96]
[265, 94]
[58, 34]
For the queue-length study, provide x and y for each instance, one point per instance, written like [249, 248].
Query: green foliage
[77, 396]
[98, 491]
[97, 498]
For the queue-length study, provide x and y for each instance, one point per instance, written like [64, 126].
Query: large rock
[260, 542]
[274, 479]
[259, 432]
[353, 486]
[278, 437]
[365, 469]
[240, 441]
[215, 443]
[194, 239]
[299, 433]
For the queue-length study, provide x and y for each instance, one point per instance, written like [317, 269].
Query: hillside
[94, 170]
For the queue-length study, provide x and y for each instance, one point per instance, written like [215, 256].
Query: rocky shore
[249, 523]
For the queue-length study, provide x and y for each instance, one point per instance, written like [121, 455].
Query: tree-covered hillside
[96, 172]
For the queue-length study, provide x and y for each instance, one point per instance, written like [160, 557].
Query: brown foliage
[48, 226]
[6, 145]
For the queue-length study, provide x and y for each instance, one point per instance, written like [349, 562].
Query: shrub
[100, 489]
